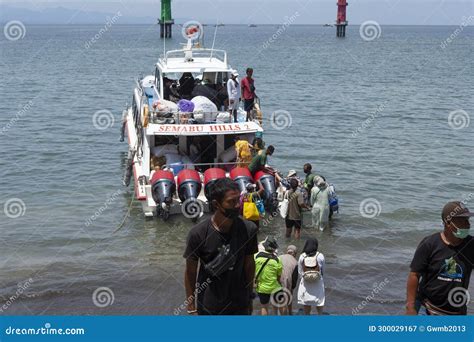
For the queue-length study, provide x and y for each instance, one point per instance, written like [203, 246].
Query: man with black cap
[268, 268]
[442, 265]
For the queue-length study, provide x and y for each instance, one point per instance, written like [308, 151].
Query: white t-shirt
[233, 90]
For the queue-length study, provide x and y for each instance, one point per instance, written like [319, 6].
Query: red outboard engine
[163, 189]
[242, 176]
[189, 184]
[269, 193]
[210, 177]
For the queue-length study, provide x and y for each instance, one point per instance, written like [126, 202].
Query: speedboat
[179, 144]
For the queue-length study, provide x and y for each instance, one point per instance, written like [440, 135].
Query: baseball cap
[455, 209]
[310, 261]
[235, 73]
[291, 173]
[270, 243]
[291, 248]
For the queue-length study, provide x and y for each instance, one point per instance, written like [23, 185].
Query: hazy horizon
[242, 12]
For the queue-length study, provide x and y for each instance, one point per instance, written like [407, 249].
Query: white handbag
[283, 205]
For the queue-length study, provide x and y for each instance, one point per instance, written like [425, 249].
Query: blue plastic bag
[260, 206]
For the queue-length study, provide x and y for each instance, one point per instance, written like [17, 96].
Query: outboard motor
[210, 177]
[269, 193]
[189, 186]
[163, 189]
[242, 176]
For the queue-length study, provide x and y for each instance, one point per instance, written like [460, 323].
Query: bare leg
[307, 309]
[297, 234]
[264, 309]
[288, 232]
[320, 309]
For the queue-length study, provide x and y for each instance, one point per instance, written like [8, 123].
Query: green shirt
[258, 162]
[309, 181]
[269, 279]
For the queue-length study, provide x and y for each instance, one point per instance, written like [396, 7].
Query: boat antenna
[214, 40]
[164, 48]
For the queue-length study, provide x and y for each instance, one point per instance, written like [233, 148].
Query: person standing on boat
[248, 92]
[311, 266]
[320, 204]
[441, 267]
[233, 91]
[220, 265]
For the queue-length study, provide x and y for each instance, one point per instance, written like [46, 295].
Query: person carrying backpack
[311, 269]
[268, 269]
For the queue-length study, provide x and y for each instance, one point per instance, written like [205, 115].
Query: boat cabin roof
[195, 60]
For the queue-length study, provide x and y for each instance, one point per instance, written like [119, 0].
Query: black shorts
[292, 223]
[248, 104]
[265, 297]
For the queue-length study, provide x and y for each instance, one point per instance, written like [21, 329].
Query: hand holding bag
[250, 211]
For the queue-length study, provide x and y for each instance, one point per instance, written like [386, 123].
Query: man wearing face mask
[441, 268]
[220, 266]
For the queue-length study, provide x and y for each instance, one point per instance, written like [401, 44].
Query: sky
[388, 12]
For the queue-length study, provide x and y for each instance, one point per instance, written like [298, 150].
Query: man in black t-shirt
[220, 267]
[442, 265]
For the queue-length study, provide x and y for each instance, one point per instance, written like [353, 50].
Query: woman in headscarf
[243, 151]
[320, 202]
[311, 266]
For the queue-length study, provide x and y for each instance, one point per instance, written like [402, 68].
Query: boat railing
[182, 118]
[198, 53]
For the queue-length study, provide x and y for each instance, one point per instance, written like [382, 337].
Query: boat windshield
[186, 85]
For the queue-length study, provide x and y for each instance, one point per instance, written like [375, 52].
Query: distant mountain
[61, 15]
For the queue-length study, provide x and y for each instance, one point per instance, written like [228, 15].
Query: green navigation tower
[165, 20]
